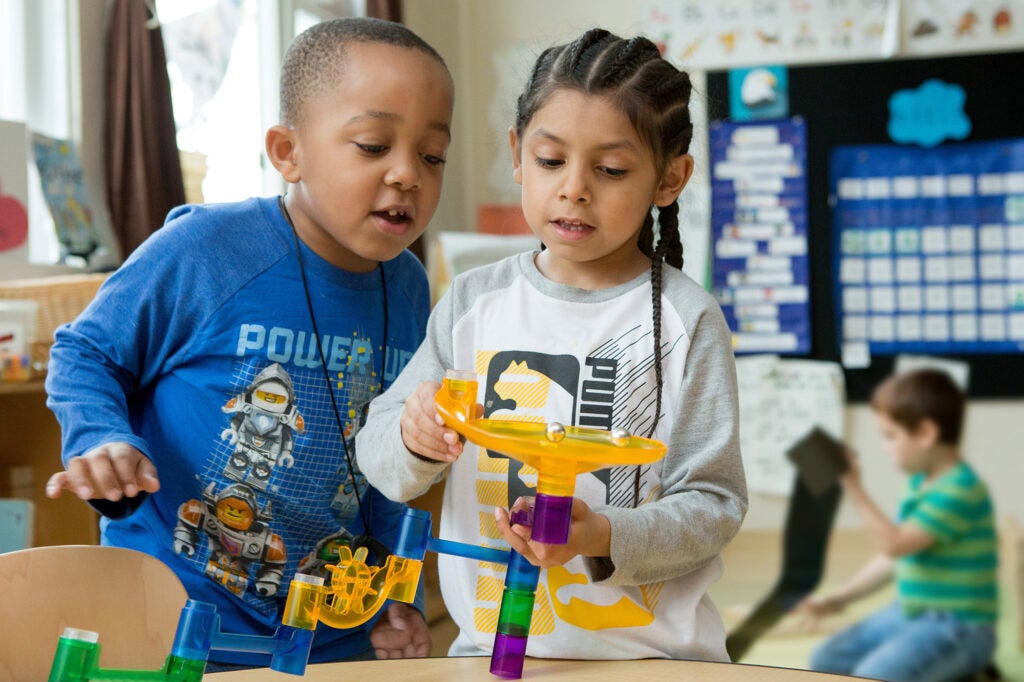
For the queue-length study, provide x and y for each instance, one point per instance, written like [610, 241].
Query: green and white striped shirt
[957, 574]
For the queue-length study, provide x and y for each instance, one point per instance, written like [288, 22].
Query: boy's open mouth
[394, 217]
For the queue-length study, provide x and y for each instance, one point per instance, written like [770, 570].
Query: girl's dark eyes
[372, 148]
[548, 163]
[557, 163]
[433, 160]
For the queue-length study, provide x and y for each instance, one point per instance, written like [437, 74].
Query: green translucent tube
[78, 654]
[516, 612]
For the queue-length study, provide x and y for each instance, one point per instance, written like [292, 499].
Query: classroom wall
[480, 40]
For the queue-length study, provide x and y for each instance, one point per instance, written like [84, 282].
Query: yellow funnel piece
[582, 448]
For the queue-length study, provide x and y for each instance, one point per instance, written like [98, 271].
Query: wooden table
[476, 668]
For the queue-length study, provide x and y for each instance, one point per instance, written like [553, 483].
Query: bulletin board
[760, 266]
[967, 233]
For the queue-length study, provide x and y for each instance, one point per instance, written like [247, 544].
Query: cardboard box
[17, 325]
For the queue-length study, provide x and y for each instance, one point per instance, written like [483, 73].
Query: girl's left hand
[589, 535]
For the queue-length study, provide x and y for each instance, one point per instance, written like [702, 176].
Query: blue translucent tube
[498, 556]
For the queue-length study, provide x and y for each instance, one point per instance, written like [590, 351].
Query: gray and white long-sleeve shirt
[543, 351]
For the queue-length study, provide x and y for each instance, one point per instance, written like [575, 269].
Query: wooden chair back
[131, 599]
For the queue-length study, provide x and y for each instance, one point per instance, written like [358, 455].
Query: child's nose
[574, 186]
[404, 173]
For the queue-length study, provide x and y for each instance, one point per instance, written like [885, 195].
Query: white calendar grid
[931, 262]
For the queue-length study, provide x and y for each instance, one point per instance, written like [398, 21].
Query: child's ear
[517, 156]
[673, 180]
[282, 151]
[927, 432]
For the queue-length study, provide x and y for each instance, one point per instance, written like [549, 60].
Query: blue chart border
[794, 318]
[868, 216]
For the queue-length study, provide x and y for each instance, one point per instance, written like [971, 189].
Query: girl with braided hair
[598, 328]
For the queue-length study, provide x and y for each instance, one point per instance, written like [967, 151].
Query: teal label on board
[929, 114]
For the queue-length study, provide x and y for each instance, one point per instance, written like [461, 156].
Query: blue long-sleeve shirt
[200, 352]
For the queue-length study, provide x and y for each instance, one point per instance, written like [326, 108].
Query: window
[214, 67]
[32, 52]
[223, 63]
[223, 59]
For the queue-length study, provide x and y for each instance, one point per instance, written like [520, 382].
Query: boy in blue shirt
[200, 414]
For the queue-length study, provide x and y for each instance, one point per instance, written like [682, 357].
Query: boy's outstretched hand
[401, 633]
[812, 609]
[423, 430]
[851, 478]
[589, 535]
[111, 471]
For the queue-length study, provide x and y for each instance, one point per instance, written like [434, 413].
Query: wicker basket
[60, 298]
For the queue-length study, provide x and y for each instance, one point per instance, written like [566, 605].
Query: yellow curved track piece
[355, 593]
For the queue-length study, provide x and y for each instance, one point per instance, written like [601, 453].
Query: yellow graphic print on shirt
[624, 613]
[527, 389]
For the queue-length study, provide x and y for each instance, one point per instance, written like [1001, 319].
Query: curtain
[142, 168]
[385, 9]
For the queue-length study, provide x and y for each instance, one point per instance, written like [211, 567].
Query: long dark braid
[655, 96]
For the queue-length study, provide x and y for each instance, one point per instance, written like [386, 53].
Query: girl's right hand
[110, 471]
[423, 430]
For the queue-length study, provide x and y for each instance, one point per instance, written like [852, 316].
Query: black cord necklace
[366, 538]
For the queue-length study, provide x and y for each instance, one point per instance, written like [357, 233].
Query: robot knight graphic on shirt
[263, 423]
[238, 535]
[327, 552]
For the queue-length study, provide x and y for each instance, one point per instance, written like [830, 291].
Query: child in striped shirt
[942, 548]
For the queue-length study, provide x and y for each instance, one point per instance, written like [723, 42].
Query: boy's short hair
[315, 61]
[911, 397]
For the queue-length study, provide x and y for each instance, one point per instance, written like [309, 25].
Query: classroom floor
[788, 645]
[751, 564]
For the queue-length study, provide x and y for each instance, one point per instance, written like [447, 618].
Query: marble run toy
[357, 591]
[559, 454]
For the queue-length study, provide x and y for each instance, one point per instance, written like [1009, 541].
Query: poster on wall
[961, 26]
[760, 264]
[13, 191]
[781, 401]
[713, 35]
[928, 252]
[63, 182]
[758, 93]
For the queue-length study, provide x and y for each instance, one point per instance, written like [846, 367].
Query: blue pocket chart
[761, 270]
[928, 247]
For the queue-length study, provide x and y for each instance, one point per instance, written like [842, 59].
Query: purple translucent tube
[507, 657]
[552, 516]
